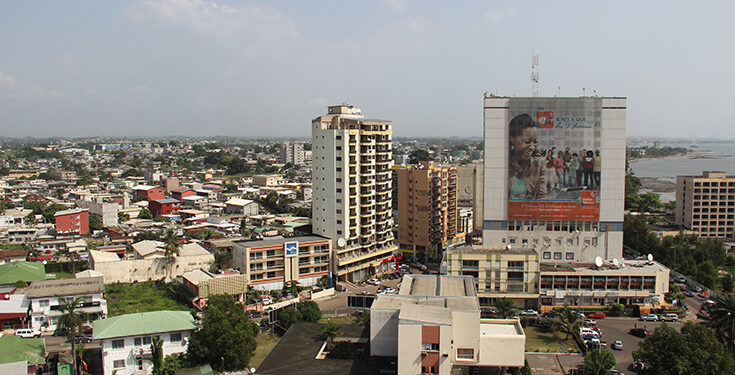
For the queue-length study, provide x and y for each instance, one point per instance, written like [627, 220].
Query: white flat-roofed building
[46, 296]
[433, 326]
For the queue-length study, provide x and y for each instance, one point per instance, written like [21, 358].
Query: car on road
[614, 372]
[703, 314]
[670, 317]
[638, 332]
[387, 290]
[551, 314]
[27, 333]
[373, 281]
[637, 366]
[697, 289]
[617, 345]
[703, 294]
[689, 293]
[597, 315]
[650, 318]
[590, 322]
[529, 313]
[83, 339]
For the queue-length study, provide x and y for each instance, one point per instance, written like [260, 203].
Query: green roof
[26, 271]
[17, 349]
[146, 323]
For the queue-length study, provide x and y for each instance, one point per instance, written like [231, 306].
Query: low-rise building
[106, 211]
[433, 326]
[148, 192]
[203, 284]
[237, 206]
[270, 263]
[267, 180]
[498, 273]
[13, 309]
[63, 175]
[126, 339]
[74, 221]
[180, 193]
[167, 206]
[47, 296]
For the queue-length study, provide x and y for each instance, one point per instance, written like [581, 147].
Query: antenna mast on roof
[534, 75]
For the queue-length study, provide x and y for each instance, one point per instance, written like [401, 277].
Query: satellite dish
[598, 261]
[650, 257]
[341, 242]
[616, 262]
[507, 247]
[252, 370]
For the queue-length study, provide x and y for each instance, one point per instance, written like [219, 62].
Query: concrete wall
[139, 270]
[384, 332]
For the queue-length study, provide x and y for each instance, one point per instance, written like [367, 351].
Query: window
[146, 340]
[137, 341]
[569, 256]
[118, 344]
[547, 255]
[557, 255]
[430, 347]
[43, 303]
[119, 363]
[175, 337]
[465, 353]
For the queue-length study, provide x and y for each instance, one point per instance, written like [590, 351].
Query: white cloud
[218, 20]
[399, 5]
[495, 16]
[12, 88]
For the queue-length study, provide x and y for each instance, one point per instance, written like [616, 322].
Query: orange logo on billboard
[545, 119]
[588, 198]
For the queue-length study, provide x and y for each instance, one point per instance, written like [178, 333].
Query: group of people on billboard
[539, 174]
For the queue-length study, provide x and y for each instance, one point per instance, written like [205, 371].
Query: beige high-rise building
[352, 196]
[706, 204]
[427, 209]
[469, 190]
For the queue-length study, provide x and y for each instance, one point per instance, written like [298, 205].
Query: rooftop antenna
[534, 75]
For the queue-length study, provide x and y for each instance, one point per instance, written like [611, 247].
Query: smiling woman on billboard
[526, 177]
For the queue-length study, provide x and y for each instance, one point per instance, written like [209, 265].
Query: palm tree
[331, 330]
[722, 318]
[71, 319]
[568, 322]
[171, 246]
[505, 308]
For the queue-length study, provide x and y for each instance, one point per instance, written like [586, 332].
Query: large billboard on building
[554, 159]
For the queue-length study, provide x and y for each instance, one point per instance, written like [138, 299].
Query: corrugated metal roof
[146, 323]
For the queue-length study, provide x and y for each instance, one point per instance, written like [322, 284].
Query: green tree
[727, 284]
[227, 337]
[71, 320]
[331, 330]
[145, 214]
[568, 322]
[722, 318]
[505, 308]
[171, 364]
[288, 317]
[156, 354]
[95, 223]
[309, 311]
[599, 361]
[694, 351]
[415, 156]
[122, 217]
[171, 247]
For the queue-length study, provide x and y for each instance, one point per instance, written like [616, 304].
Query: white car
[591, 322]
[650, 318]
[617, 345]
[27, 333]
[529, 313]
[373, 281]
[388, 290]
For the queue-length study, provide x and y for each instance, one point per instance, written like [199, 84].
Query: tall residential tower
[351, 178]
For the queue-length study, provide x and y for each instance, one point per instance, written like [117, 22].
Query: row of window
[588, 241]
[557, 255]
[144, 340]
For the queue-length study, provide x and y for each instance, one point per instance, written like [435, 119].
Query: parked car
[83, 339]
[617, 345]
[702, 314]
[689, 293]
[373, 281]
[681, 280]
[87, 330]
[590, 322]
[637, 366]
[650, 318]
[670, 317]
[27, 333]
[529, 313]
[597, 315]
[638, 332]
[255, 313]
[551, 314]
[614, 372]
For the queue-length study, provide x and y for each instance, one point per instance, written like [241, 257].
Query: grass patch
[537, 341]
[64, 275]
[340, 320]
[142, 297]
[266, 342]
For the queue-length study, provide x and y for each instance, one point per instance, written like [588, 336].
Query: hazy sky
[242, 68]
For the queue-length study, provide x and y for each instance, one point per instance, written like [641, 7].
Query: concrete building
[149, 262]
[427, 209]
[630, 282]
[203, 284]
[166, 206]
[499, 273]
[271, 263]
[237, 206]
[351, 201]
[470, 190]
[527, 202]
[74, 221]
[292, 153]
[268, 180]
[148, 192]
[63, 175]
[706, 204]
[46, 296]
[433, 326]
[107, 212]
[126, 339]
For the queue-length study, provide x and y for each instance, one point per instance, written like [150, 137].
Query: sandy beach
[697, 154]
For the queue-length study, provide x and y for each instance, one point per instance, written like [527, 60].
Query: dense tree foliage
[599, 361]
[227, 337]
[694, 351]
[418, 155]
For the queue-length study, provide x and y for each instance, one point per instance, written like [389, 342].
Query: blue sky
[246, 68]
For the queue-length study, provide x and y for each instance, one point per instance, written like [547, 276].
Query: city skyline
[250, 69]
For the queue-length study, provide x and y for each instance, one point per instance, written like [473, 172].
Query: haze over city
[202, 68]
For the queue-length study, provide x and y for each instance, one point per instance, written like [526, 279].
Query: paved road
[617, 329]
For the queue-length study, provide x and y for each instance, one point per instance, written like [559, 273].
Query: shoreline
[689, 155]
